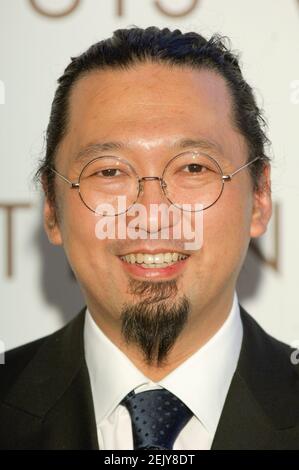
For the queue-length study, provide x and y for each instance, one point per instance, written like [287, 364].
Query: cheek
[228, 221]
[226, 235]
[84, 250]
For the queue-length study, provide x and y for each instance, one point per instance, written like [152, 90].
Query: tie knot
[157, 418]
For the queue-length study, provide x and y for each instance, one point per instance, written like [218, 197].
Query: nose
[155, 215]
[154, 193]
[151, 178]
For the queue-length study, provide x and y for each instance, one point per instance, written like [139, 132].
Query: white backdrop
[38, 293]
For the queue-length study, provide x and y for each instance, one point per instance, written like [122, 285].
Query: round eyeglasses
[189, 179]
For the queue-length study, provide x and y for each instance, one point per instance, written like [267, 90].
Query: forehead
[151, 105]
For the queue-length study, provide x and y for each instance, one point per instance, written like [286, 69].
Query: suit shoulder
[17, 359]
[276, 351]
[47, 350]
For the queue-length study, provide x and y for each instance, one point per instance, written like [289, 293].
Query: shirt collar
[201, 382]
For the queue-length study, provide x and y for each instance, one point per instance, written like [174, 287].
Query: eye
[194, 168]
[107, 173]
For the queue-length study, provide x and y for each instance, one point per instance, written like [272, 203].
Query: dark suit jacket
[46, 400]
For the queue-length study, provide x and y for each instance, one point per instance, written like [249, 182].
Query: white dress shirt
[201, 382]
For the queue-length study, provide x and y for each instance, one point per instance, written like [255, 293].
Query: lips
[153, 260]
[145, 268]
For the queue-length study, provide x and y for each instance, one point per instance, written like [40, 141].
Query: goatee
[154, 323]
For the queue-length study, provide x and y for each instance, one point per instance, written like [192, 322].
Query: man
[163, 356]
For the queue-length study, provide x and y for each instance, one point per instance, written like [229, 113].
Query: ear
[51, 225]
[262, 205]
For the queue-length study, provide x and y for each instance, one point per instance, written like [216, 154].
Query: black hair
[131, 46]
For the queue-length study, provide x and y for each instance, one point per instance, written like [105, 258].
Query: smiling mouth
[153, 260]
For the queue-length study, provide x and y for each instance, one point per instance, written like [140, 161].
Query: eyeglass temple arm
[229, 176]
[72, 185]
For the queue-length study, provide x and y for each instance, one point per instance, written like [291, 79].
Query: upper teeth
[156, 258]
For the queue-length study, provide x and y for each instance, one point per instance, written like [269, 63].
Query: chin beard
[154, 323]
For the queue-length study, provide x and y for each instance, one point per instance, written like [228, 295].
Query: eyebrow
[200, 143]
[92, 150]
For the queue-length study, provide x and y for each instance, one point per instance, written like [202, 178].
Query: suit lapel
[261, 409]
[54, 390]
[242, 424]
[71, 423]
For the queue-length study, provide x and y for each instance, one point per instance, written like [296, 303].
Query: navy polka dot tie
[157, 417]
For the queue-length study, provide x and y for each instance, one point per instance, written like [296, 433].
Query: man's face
[150, 109]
